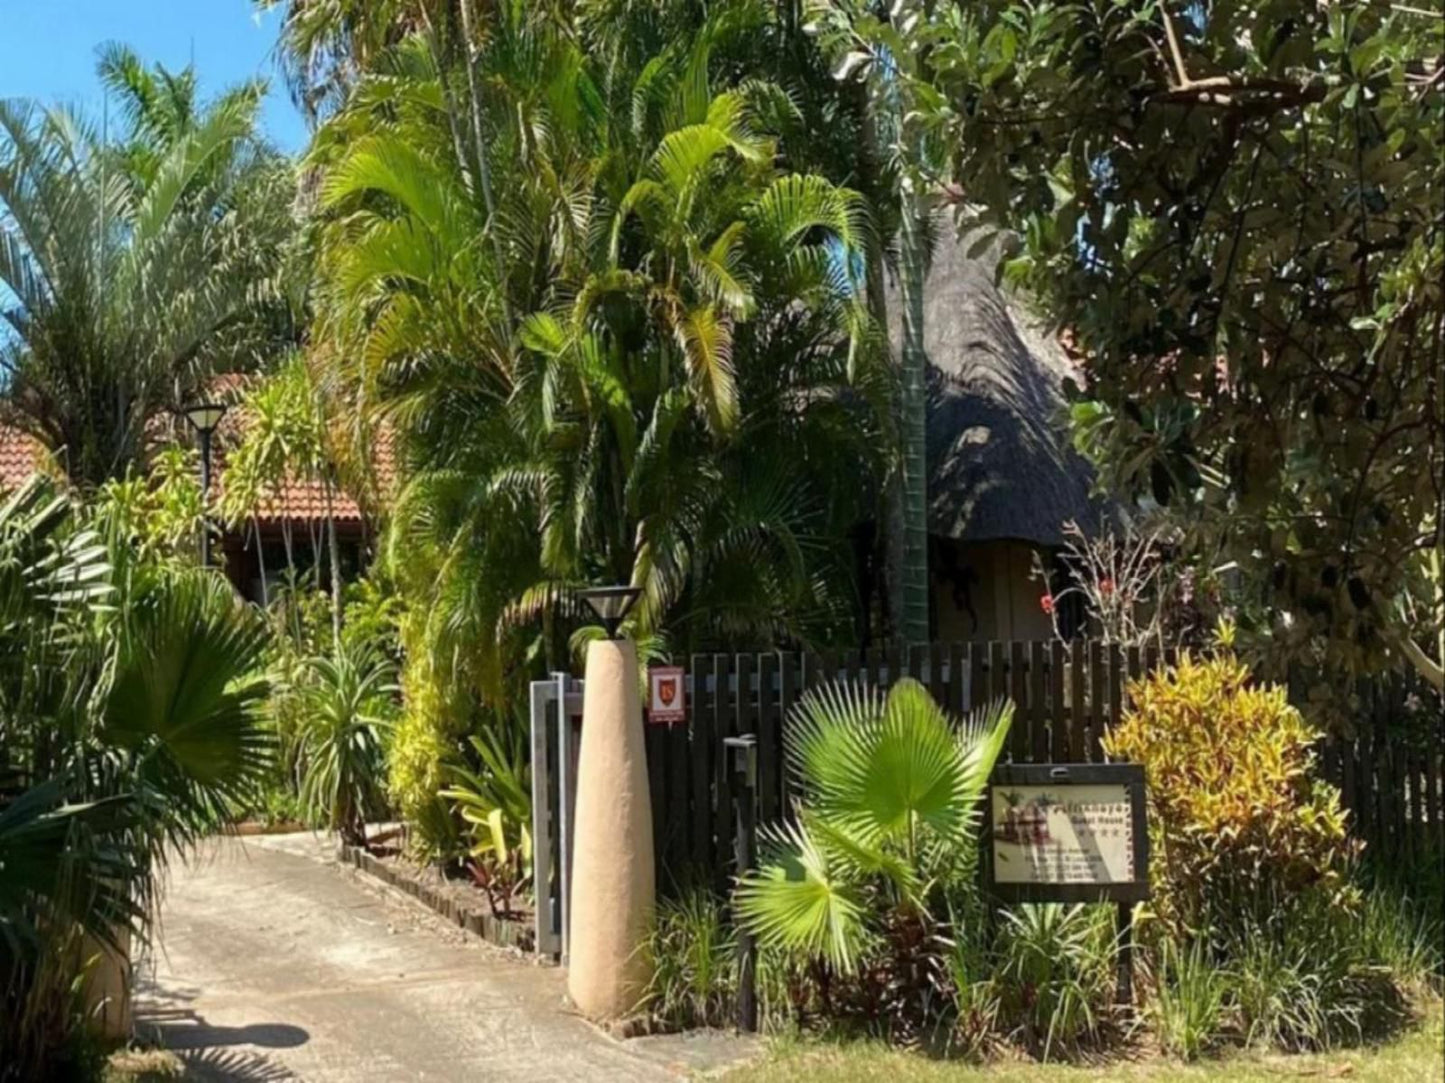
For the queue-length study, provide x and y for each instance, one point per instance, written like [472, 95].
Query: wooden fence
[1065, 697]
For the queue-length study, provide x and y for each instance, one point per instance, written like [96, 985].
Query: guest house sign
[1068, 833]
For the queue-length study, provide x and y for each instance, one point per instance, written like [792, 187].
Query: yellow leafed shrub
[1240, 824]
[421, 746]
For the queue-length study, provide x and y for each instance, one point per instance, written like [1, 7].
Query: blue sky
[48, 50]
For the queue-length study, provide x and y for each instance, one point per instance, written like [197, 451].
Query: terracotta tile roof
[20, 456]
[300, 500]
[304, 499]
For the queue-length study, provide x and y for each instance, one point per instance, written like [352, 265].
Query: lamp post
[613, 890]
[204, 417]
[611, 604]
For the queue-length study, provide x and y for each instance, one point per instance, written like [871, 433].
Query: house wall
[985, 590]
[309, 544]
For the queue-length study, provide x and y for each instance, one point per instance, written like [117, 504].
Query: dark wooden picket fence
[1065, 697]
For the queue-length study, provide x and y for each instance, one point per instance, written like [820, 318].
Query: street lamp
[611, 604]
[204, 417]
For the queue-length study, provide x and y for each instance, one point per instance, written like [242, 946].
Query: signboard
[666, 698]
[1067, 833]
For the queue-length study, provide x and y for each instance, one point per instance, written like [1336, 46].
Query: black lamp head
[611, 604]
[204, 416]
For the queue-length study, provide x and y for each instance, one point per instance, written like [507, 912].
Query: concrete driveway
[277, 963]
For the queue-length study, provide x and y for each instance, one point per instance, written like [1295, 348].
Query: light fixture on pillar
[611, 604]
[204, 418]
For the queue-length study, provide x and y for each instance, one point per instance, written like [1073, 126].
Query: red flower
[1046, 603]
[1106, 587]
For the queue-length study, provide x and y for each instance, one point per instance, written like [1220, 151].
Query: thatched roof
[1000, 464]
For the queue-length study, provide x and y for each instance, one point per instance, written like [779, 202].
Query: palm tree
[884, 839]
[134, 268]
[129, 727]
[692, 337]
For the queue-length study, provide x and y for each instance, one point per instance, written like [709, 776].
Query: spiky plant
[129, 727]
[858, 880]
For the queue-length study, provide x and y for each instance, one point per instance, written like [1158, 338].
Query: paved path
[277, 963]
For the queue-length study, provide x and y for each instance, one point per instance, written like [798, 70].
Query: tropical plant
[284, 441]
[129, 727]
[1240, 822]
[1188, 1004]
[891, 61]
[694, 955]
[133, 269]
[623, 380]
[345, 703]
[1054, 973]
[859, 882]
[494, 798]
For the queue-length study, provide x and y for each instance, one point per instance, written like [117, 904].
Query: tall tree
[890, 56]
[1236, 209]
[690, 335]
[133, 268]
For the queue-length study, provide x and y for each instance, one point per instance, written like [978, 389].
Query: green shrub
[1239, 823]
[1055, 974]
[416, 765]
[1187, 1008]
[858, 886]
[694, 953]
[346, 703]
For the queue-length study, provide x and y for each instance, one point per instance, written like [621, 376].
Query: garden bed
[250, 828]
[457, 901]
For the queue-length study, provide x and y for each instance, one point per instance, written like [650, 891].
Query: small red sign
[667, 702]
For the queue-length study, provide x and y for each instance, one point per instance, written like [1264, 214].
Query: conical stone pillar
[613, 891]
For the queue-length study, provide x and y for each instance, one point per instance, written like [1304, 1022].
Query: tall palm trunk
[484, 172]
[335, 555]
[912, 588]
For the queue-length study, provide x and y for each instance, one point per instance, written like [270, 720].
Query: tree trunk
[483, 170]
[335, 554]
[261, 562]
[912, 586]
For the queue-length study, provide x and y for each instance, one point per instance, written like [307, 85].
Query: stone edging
[494, 930]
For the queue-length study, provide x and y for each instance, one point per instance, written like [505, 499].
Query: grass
[1418, 1056]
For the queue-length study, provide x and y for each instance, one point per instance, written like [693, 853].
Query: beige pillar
[106, 987]
[613, 890]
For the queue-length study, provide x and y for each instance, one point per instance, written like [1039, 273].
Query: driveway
[275, 962]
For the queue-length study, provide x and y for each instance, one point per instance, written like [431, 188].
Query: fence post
[548, 942]
[743, 751]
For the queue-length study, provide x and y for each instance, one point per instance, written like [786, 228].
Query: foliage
[1234, 210]
[495, 800]
[155, 518]
[886, 825]
[1187, 1006]
[1416, 1056]
[621, 381]
[346, 706]
[129, 727]
[1054, 978]
[1307, 982]
[694, 954]
[133, 268]
[423, 748]
[285, 440]
[1240, 824]
[1400, 931]
[1134, 590]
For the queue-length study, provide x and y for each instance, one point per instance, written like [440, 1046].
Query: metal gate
[556, 709]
